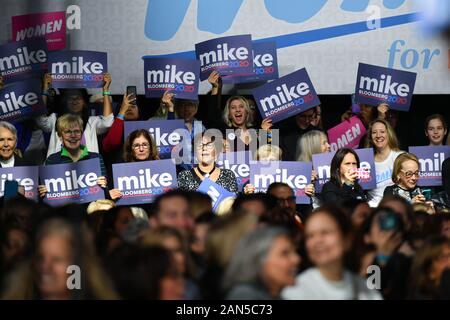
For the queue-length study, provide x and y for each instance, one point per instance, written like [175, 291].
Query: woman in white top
[75, 102]
[381, 137]
[328, 240]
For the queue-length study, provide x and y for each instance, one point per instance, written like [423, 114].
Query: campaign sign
[51, 25]
[430, 163]
[216, 192]
[140, 182]
[265, 65]
[347, 134]
[77, 68]
[180, 76]
[322, 165]
[375, 85]
[72, 182]
[22, 60]
[296, 174]
[286, 96]
[166, 133]
[27, 177]
[239, 163]
[21, 100]
[227, 55]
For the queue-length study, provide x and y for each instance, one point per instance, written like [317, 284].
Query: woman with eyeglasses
[139, 146]
[75, 102]
[405, 175]
[207, 148]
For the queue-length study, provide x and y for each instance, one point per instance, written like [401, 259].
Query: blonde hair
[310, 143]
[249, 111]
[268, 150]
[224, 208]
[102, 204]
[392, 137]
[403, 157]
[67, 121]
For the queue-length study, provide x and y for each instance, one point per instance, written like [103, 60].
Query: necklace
[206, 174]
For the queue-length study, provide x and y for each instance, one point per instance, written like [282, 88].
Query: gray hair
[246, 264]
[309, 144]
[10, 127]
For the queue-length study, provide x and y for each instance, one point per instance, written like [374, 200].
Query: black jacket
[334, 194]
[19, 162]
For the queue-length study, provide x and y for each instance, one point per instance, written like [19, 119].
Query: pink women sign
[51, 25]
[347, 134]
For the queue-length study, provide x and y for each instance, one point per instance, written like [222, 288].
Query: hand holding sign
[167, 101]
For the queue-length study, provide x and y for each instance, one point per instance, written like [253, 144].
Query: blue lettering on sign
[410, 58]
[164, 18]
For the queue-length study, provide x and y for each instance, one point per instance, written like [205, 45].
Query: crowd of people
[391, 242]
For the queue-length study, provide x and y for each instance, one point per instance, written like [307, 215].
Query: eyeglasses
[137, 146]
[283, 200]
[75, 98]
[206, 146]
[409, 174]
[72, 133]
[308, 117]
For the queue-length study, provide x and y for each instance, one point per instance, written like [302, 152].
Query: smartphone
[132, 90]
[11, 189]
[390, 221]
[427, 194]
[362, 173]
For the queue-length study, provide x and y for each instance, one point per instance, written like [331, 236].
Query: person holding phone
[128, 111]
[343, 184]
[405, 175]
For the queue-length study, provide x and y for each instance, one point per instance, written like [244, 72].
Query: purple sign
[27, 177]
[180, 76]
[140, 182]
[296, 174]
[22, 60]
[227, 55]
[286, 97]
[322, 165]
[265, 65]
[77, 68]
[21, 100]
[239, 163]
[72, 182]
[430, 160]
[166, 133]
[216, 192]
[375, 85]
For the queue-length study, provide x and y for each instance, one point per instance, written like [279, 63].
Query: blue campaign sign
[216, 192]
[227, 55]
[77, 68]
[322, 165]
[166, 133]
[265, 65]
[27, 177]
[375, 85]
[140, 182]
[72, 182]
[239, 163]
[286, 96]
[180, 76]
[22, 60]
[296, 174]
[430, 163]
[21, 100]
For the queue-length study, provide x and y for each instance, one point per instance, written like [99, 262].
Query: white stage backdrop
[329, 38]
